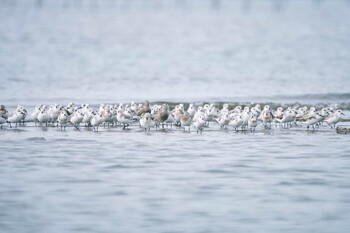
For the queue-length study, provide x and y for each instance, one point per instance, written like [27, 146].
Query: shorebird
[266, 116]
[285, 117]
[16, 118]
[43, 117]
[146, 122]
[245, 117]
[252, 122]
[3, 112]
[76, 118]
[178, 113]
[334, 118]
[63, 119]
[224, 110]
[223, 121]
[186, 120]
[125, 118]
[199, 124]
[191, 110]
[54, 111]
[312, 121]
[161, 115]
[96, 121]
[144, 109]
[236, 122]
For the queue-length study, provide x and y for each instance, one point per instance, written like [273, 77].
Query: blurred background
[174, 50]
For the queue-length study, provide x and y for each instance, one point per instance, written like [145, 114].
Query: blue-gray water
[279, 180]
[58, 54]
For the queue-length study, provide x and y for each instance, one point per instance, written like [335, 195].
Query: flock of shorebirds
[148, 116]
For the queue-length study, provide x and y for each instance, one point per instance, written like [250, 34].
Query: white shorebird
[200, 113]
[334, 118]
[236, 122]
[54, 111]
[285, 117]
[21, 109]
[266, 116]
[43, 117]
[245, 116]
[191, 110]
[199, 124]
[36, 111]
[16, 118]
[96, 121]
[223, 121]
[76, 118]
[210, 113]
[125, 118]
[278, 115]
[224, 110]
[88, 114]
[312, 121]
[146, 122]
[253, 122]
[63, 119]
[107, 115]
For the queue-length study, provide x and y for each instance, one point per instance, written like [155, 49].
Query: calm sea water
[178, 53]
[279, 180]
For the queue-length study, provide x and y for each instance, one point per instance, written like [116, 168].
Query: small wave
[218, 171]
[326, 96]
[82, 181]
[120, 166]
[36, 139]
[17, 80]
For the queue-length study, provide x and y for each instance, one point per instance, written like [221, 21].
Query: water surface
[99, 53]
[289, 180]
